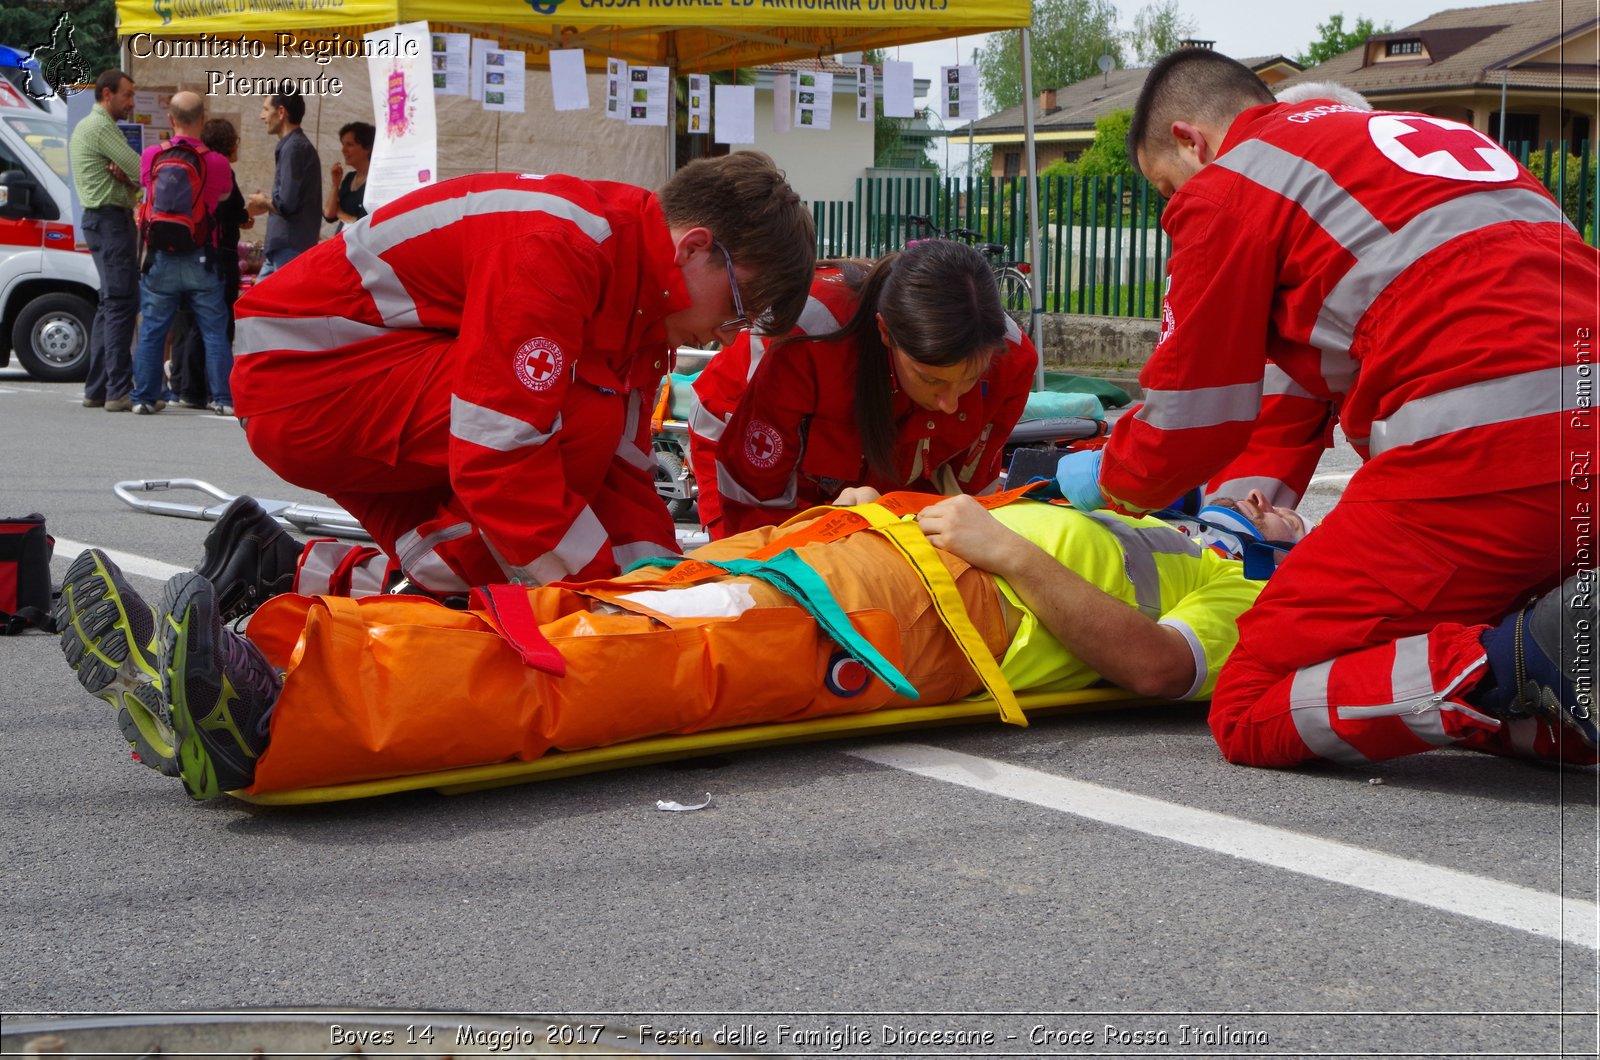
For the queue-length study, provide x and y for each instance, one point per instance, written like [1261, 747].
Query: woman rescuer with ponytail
[902, 374]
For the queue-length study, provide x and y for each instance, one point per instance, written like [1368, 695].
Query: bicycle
[1013, 277]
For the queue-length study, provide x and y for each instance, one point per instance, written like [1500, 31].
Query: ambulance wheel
[51, 337]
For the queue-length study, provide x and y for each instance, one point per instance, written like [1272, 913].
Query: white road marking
[130, 563]
[1506, 904]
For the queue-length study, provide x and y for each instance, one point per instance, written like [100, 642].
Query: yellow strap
[907, 536]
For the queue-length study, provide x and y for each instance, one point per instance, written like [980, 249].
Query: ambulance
[48, 283]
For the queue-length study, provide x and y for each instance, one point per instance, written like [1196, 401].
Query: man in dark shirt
[294, 208]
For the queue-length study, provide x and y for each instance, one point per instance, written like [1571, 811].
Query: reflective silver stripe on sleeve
[630, 552]
[495, 430]
[1381, 260]
[1196, 649]
[1013, 331]
[423, 565]
[702, 421]
[730, 489]
[758, 350]
[1276, 381]
[817, 319]
[1308, 706]
[1411, 678]
[1139, 546]
[260, 334]
[1492, 401]
[628, 450]
[582, 542]
[1208, 406]
[365, 244]
[1277, 492]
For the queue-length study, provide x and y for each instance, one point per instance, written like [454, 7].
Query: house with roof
[1531, 67]
[1064, 118]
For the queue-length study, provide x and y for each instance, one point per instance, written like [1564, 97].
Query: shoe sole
[97, 638]
[183, 638]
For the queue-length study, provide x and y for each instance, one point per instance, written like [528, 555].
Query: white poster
[735, 113]
[480, 48]
[503, 76]
[647, 89]
[569, 81]
[958, 92]
[452, 63]
[405, 152]
[782, 101]
[899, 87]
[813, 100]
[616, 89]
[864, 106]
[699, 116]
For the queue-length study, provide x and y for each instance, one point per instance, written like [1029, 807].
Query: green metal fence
[1102, 249]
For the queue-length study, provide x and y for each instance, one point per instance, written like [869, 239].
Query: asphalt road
[1090, 885]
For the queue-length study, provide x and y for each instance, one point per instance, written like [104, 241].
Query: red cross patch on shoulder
[538, 364]
[1436, 147]
[762, 444]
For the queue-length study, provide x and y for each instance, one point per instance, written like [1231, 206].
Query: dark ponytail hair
[941, 305]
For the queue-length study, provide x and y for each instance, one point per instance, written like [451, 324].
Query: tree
[93, 23]
[1157, 29]
[1335, 41]
[1068, 36]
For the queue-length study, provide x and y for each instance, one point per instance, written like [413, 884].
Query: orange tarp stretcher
[390, 693]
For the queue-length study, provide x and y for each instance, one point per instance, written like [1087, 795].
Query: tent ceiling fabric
[692, 36]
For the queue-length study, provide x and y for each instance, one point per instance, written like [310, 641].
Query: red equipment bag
[25, 596]
[173, 216]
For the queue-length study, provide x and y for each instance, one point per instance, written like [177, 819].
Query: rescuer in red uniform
[465, 370]
[907, 375]
[1421, 288]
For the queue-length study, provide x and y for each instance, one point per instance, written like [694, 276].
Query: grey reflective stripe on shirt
[630, 552]
[423, 565]
[1383, 258]
[1381, 254]
[1276, 381]
[1139, 546]
[628, 450]
[1013, 330]
[1207, 406]
[758, 350]
[703, 421]
[495, 430]
[1492, 401]
[259, 334]
[730, 489]
[583, 540]
[817, 319]
[365, 244]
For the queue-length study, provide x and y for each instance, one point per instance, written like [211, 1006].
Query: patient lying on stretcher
[330, 690]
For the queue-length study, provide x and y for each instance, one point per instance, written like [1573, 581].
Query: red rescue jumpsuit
[1405, 273]
[465, 372]
[773, 431]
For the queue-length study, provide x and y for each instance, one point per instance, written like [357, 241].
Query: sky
[1241, 28]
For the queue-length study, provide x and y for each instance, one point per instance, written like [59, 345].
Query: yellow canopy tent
[688, 36]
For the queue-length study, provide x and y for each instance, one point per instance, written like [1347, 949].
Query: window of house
[1520, 128]
[1012, 164]
[1396, 48]
[1580, 132]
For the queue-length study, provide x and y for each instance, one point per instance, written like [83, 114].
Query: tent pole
[1036, 316]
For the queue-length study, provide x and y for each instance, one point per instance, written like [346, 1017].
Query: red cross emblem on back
[762, 444]
[1463, 145]
[1437, 147]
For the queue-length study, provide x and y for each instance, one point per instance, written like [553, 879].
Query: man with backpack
[184, 181]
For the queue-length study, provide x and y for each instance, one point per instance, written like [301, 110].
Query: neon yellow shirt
[1142, 562]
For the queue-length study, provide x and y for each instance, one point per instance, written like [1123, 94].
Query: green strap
[793, 577]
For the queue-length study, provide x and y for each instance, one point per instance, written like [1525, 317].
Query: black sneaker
[221, 690]
[248, 558]
[107, 633]
[1534, 655]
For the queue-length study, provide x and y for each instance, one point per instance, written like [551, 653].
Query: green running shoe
[221, 690]
[107, 633]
